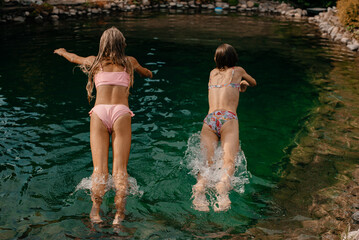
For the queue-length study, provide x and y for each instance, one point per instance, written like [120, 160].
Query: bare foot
[200, 202]
[119, 217]
[223, 203]
[95, 215]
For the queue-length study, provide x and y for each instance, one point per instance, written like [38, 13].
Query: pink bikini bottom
[109, 113]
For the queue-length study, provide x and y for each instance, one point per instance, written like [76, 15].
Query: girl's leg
[99, 140]
[121, 145]
[209, 141]
[230, 146]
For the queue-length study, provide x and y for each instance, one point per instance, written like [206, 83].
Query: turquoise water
[44, 123]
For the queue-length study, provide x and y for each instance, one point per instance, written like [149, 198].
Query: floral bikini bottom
[216, 119]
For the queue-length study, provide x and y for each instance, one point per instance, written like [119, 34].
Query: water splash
[196, 163]
[133, 187]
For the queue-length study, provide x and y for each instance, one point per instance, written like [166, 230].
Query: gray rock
[210, 6]
[19, 19]
[354, 47]
[250, 4]
[334, 32]
[330, 29]
[73, 12]
[338, 37]
[94, 11]
[27, 13]
[355, 216]
[344, 40]
[55, 11]
[54, 17]
[299, 11]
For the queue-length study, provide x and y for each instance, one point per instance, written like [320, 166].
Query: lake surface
[44, 123]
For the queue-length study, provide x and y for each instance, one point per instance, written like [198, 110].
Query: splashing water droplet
[133, 188]
[196, 163]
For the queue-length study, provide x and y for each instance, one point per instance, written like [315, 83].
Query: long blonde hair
[111, 49]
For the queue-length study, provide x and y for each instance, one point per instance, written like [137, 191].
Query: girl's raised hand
[60, 51]
[244, 84]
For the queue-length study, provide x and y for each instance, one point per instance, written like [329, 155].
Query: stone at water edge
[355, 216]
[250, 4]
[353, 47]
[19, 19]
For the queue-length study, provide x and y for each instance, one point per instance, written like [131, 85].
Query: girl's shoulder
[214, 72]
[239, 70]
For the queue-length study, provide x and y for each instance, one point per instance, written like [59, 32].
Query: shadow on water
[44, 123]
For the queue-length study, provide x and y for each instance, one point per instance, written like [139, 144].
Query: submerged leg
[209, 142]
[121, 144]
[230, 146]
[99, 139]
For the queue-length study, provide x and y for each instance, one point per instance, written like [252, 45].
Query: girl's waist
[111, 102]
[231, 110]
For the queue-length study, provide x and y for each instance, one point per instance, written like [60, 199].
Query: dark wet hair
[225, 56]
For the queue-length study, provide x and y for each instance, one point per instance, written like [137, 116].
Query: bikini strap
[101, 66]
[232, 76]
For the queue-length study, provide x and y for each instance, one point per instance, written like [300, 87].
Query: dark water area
[44, 123]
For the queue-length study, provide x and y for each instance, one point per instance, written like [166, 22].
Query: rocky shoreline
[330, 26]
[18, 11]
[60, 9]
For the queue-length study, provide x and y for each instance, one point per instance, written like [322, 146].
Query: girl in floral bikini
[221, 124]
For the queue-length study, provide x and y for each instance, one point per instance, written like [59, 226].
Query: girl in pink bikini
[226, 81]
[111, 71]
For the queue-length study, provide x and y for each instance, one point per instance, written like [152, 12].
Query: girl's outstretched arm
[251, 81]
[144, 72]
[72, 57]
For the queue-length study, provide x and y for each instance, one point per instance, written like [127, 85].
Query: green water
[44, 123]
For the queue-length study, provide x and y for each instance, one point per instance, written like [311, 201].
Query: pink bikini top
[112, 78]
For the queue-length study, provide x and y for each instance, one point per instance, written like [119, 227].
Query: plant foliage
[348, 13]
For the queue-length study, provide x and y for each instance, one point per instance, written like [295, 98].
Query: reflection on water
[44, 124]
